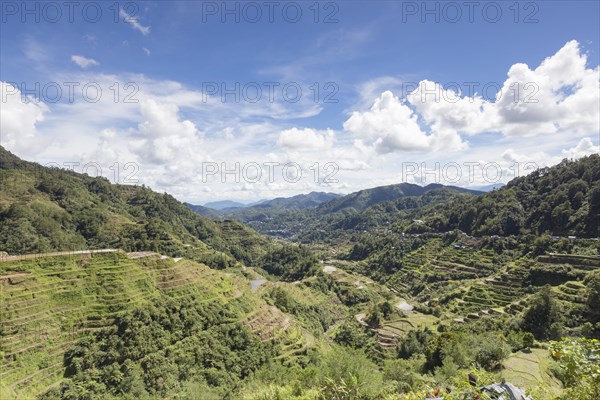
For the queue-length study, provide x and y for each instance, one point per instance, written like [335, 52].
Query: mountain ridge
[50, 209]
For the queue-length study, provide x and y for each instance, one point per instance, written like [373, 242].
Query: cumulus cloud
[391, 125]
[306, 138]
[172, 129]
[19, 116]
[585, 147]
[539, 158]
[163, 137]
[445, 109]
[560, 96]
[84, 62]
[133, 21]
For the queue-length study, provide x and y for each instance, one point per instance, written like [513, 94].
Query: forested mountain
[363, 199]
[204, 211]
[318, 216]
[563, 200]
[297, 202]
[44, 209]
[264, 207]
[559, 200]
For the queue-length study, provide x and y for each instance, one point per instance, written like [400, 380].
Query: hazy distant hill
[297, 202]
[204, 211]
[316, 214]
[222, 204]
[264, 208]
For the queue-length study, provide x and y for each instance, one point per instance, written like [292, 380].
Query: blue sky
[366, 55]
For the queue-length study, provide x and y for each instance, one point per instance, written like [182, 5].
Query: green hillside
[561, 200]
[49, 209]
[96, 325]
[339, 217]
[49, 305]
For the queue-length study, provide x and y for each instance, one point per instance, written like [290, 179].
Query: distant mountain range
[561, 200]
[363, 199]
[217, 209]
[318, 211]
[224, 204]
[297, 202]
[330, 202]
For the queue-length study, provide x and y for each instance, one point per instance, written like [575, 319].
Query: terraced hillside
[52, 305]
[49, 304]
[436, 265]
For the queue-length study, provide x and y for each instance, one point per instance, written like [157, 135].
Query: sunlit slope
[49, 209]
[48, 304]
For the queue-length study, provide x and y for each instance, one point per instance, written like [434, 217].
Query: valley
[130, 294]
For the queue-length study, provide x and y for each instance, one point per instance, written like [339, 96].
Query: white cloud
[19, 117]
[540, 158]
[445, 109]
[84, 62]
[146, 51]
[173, 128]
[306, 138]
[560, 95]
[585, 147]
[145, 30]
[372, 88]
[163, 137]
[391, 125]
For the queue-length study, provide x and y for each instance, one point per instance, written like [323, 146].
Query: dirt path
[55, 254]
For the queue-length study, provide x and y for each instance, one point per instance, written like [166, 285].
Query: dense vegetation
[48, 209]
[562, 200]
[399, 292]
[157, 350]
[341, 217]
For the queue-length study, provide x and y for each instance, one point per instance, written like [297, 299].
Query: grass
[531, 371]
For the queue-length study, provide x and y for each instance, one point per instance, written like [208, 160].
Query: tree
[289, 262]
[579, 362]
[593, 296]
[542, 318]
[373, 318]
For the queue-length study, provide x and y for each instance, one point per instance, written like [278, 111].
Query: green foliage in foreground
[348, 375]
[579, 367]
